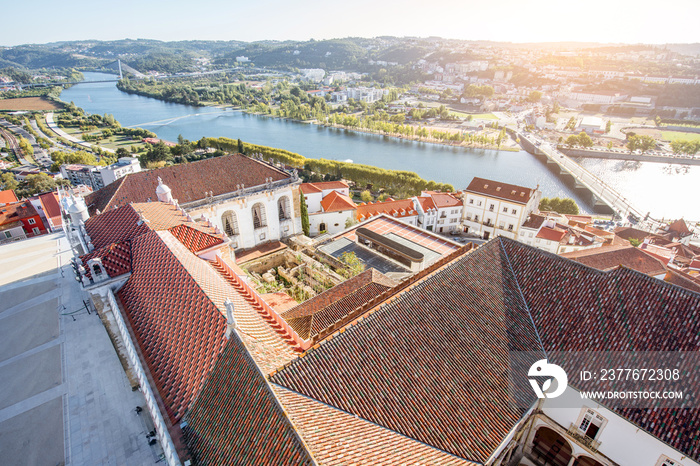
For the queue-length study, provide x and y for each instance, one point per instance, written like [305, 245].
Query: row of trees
[557, 204]
[31, 185]
[685, 147]
[397, 182]
[641, 143]
[582, 139]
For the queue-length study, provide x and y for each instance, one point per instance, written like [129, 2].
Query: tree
[353, 264]
[241, 149]
[366, 196]
[559, 205]
[572, 141]
[8, 181]
[608, 126]
[39, 183]
[534, 96]
[158, 153]
[122, 152]
[584, 140]
[641, 143]
[26, 146]
[634, 242]
[306, 228]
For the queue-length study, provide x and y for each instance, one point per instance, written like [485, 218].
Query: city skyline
[625, 21]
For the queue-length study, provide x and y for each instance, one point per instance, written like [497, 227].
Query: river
[666, 192]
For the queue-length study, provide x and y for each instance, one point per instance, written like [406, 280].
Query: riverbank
[514, 147]
[446, 134]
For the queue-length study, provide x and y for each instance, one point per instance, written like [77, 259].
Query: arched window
[230, 223]
[96, 269]
[322, 228]
[283, 208]
[259, 219]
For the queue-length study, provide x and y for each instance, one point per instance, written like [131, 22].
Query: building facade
[492, 208]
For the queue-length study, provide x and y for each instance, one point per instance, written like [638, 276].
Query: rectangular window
[478, 204]
[505, 210]
[514, 211]
[471, 201]
[476, 218]
[510, 226]
[491, 207]
[35, 230]
[8, 234]
[530, 235]
[32, 221]
[591, 423]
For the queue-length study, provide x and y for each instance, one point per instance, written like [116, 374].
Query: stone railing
[241, 192]
[581, 438]
[161, 429]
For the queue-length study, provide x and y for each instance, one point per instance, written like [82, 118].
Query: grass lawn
[679, 136]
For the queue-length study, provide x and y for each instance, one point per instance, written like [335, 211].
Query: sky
[605, 21]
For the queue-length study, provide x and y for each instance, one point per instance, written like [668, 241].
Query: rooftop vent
[498, 189]
[486, 186]
[512, 192]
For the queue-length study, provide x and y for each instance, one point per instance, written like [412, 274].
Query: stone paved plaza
[64, 397]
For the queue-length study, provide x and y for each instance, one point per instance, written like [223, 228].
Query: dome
[162, 188]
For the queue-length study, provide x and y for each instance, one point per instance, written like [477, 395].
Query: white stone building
[492, 208]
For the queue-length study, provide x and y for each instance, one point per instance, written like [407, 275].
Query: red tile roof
[443, 200]
[308, 188]
[613, 257]
[52, 208]
[129, 221]
[178, 328]
[10, 213]
[338, 438]
[336, 202]
[415, 364]
[188, 182]
[497, 189]
[679, 227]
[335, 304]
[426, 203]
[399, 209]
[8, 196]
[236, 419]
[551, 234]
[116, 259]
[193, 239]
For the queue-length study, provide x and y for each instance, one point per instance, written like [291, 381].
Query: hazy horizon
[538, 21]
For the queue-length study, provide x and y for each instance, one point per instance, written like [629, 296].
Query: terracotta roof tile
[399, 209]
[442, 200]
[188, 182]
[52, 208]
[610, 258]
[551, 234]
[236, 419]
[308, 188]
[8, 196]
[497, 189]
[337, 438]
[415, 367]
[178, 328]
[336, 202]
[426, 203]
[116, 259]
[411, 364]
[335, 304]
[132, 220]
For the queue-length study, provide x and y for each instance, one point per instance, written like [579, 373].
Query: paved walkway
[64, 397]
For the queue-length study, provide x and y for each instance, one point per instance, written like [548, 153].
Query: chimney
[230, 321]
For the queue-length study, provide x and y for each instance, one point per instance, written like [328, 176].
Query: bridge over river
[603, 193]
